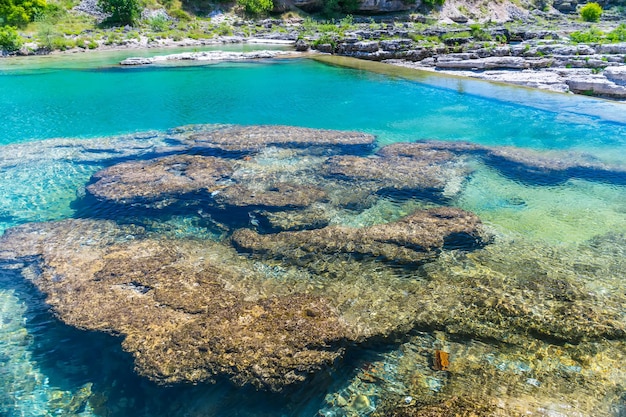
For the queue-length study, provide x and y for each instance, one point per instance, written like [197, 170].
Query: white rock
[616, 74]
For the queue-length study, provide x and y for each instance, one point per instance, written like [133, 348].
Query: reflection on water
[353, 279]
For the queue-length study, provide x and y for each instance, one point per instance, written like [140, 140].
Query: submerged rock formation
[430, 172]
[412, 239]
[280, 194]
[328, 262]
[184, 307]
[249, 139]
[190, 310]
[523, 164]
[160, 182]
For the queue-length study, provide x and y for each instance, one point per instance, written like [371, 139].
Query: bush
[158, 23]
[591, 12]
[180, 14]
[256, 7]
[336, 7]
[618, 34]
[10, 41]
[593, 35]
[123, 12]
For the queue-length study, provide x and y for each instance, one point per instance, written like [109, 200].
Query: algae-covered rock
[189, 309]
[429, 173]
[544, 167]
[412, 239]
[161, 181]
[273, 195]
[248, 139]
[313, 217]
[183, 307]
[514, 290]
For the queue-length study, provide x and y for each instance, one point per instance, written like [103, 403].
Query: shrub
[158, 23]
[123, 12]
[618, 34]
[591, 12]
[256, 7]
[10, 41]
[479, 33]
[593, 35]
[180, 14]
[334, 7]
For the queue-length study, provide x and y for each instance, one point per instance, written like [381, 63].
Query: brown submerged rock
[513, 291]
[255, 138]
[430, 171]
[161, 181]
[526, 164]
[188, 310]
[272, 195]
[412, 239]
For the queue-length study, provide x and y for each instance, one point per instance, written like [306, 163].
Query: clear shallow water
[48, 366]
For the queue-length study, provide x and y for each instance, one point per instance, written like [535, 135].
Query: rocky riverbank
[539, 58]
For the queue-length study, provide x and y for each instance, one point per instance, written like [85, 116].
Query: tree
[19, 12]
[255, 7]
[123, 12]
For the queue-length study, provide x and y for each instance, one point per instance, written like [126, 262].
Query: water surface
[56, 132]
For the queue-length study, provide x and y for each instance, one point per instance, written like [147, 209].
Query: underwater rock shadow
[520, 164]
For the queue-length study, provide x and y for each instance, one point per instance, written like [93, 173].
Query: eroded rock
[430, 172]
[160, 182]
[276, 195]
[412, 239]
[523, 164]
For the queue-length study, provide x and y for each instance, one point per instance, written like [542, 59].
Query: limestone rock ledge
[206, 56]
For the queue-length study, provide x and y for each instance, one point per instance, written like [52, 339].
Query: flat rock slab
[276, 195]
[206, 56]
[256, 138]
[431, 171]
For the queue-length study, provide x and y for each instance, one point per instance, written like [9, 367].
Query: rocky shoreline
[587, 69]
[523, 56]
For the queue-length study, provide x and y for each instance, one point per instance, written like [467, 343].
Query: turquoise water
[56, 132]
[105, 101]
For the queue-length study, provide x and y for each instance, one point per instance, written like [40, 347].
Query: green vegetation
[594, 35]
[256, 7]
[591, 12]
[19, 13]
[9, 39]
[433, 3]
[618, 34]
[158, 23]
[479, 33]
[123, 12]
[336, 7]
